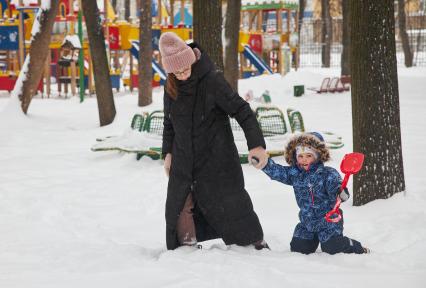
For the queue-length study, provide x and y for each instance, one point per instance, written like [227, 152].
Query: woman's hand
[167, 163]
[260, 154]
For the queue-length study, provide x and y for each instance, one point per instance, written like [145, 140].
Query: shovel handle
[345, 181]
[334, 215]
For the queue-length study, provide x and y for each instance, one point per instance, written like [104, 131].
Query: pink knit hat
[175, 54]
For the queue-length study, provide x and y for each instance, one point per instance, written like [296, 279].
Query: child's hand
[258, 155]
[344, 195]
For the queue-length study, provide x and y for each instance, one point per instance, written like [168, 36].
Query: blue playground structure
[260, 65]
[155, 66]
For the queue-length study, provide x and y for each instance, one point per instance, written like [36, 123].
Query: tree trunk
[346, 39]
[127, 9]
[327, 33]
[232, 30]
[375, 101]
[302, 4]
[408, 55]
[208, 29]
[37, 56]
[100, 63]
[145, 54]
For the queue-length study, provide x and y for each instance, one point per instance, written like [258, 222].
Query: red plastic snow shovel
[351, 164]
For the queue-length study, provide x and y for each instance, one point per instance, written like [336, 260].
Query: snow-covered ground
[70, 217]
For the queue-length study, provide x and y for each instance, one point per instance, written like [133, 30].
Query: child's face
[305, 160]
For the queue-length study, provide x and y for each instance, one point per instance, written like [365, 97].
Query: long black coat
[205, 159]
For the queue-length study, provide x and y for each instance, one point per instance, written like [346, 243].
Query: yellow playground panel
[268, 26]
[182, 32]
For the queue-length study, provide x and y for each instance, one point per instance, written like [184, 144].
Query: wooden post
[90, 74]
[66, 85]
[8, 62]
[15, 61]
[250, 20]
[58, 77]
[182, 11]
[72, 32]
[124, 63]
[288, 21]
[116, 60]
[81, 54]
[242, 64]
[47, 74]
[259, 20]
[172, 12]
[159, 16]
[21, 36]
[131, 73]
[10, 8]
[279, 21]
[252, 16]
[107, 34]
[297, 58]
[73, 78]
[70, 15]
[296, 21]
[279, 31]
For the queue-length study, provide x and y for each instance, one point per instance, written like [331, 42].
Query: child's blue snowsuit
[316, 193]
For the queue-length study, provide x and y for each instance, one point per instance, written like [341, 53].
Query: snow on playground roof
[44, 4]
[26, 2]
[74, 40]
[269, 4]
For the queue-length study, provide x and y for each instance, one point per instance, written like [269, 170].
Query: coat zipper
[312, 194]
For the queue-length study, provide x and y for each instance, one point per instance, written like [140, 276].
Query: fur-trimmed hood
[309, 140]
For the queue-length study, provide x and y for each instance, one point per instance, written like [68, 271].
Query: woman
[206, 198]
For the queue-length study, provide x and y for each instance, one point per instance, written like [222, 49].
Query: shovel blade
[352, 163]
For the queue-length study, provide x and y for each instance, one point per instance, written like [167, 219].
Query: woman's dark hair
[171, 85]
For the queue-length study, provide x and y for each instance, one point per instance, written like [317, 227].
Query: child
[316, 187]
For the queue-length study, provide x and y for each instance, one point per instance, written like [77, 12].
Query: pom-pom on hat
[318, 135]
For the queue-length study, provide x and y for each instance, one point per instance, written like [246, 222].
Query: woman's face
[183, 74]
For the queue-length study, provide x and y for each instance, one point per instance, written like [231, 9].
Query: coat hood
[308, 140]
[203, 65]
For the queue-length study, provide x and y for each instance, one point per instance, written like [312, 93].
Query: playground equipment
[261, 42]
[14, 26]
[269, 28]
[156, 68]
[61, 68]
[258, 62]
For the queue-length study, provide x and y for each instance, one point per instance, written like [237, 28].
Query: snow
[255, 2]
[74, 40]
[70, 217]
[17, 90]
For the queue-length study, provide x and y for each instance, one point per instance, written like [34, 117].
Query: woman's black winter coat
[205, 160]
